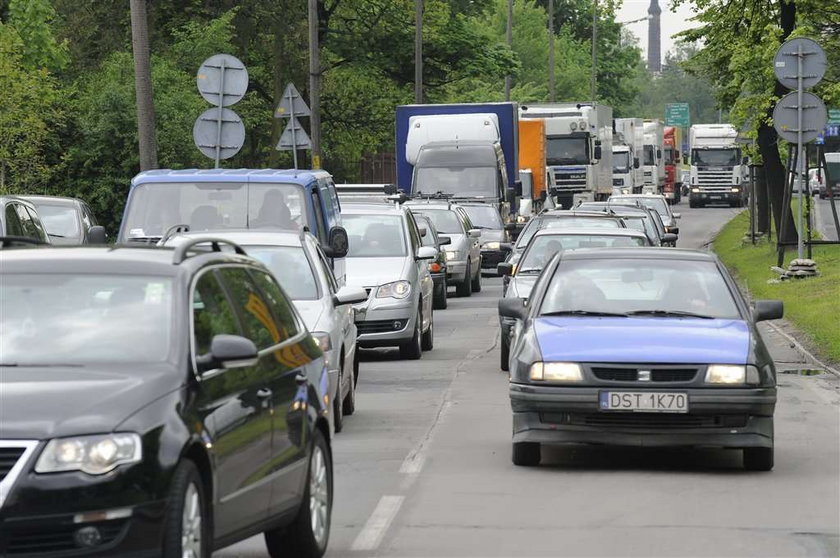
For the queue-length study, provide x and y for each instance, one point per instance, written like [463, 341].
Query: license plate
[644, 401]
[715, 197]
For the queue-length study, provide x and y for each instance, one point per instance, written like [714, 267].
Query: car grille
[645, 420]
[631, 374]
[8, 458]
[380, 326]
[58, 538]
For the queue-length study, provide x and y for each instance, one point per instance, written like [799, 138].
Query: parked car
[437, 266]
[68, 221]
[815, 179]
[832, 177]
[304, 273]
[388, 260]
[656, 202]
[495, 234]
[20, 220]
[542, 247]
[590, 363]
[158, 403]
[463, 253]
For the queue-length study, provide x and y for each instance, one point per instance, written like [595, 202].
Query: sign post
[294, 137]
[219, 132]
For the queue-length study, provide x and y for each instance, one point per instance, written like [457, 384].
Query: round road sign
[814, 117]
[206, 132]
[222, 69]
[786, 65]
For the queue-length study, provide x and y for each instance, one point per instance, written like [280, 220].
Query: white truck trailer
[578, 149]
[718, 172]
[628, 139]
[653, 162]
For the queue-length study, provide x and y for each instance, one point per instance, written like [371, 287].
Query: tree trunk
[143, 86]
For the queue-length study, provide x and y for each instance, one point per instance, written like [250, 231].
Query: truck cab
[673, 186]
[653, 161]
[717, 169]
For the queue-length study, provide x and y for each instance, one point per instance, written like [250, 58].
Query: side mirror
[676, 155]
[505, 269]
[444, 240]
[513, 308]
[636, 162]
[597, 152]
[337, 244]
[511, 226]
[475, 233]
[517, 188]
[423, 232]
[675, 230]
[425, 253]
[669, 238]
[768, 310]
[228, 351]
[658, 153]
[506, 246]
[510, 195]
[677, 215]
[349, 295]
[96, 235]
[745, 160]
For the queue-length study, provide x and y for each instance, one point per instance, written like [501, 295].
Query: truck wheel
[692, 203]
[465, 288]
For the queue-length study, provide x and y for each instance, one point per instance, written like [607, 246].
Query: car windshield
[642, 223]
[657, 204]
[642, 286]
[458, 181]
[715, 157]
[60, 220]
[543, 247]
[484, 217]
[561, 150]
[445, 220]
[79, 319]
[621, 162]
[375, 236]
[154, 208]
[291, 267]
[649, 158]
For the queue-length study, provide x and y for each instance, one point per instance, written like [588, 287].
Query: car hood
[310, 311]
[372, 272]
[40, 403]
[643, 340]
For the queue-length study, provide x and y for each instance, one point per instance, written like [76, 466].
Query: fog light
[88, 536]
[397, 325]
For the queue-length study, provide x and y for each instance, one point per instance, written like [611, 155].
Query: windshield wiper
[528, 271]
[585, 313]
[37, 365]
[56, 235]
[674, 313]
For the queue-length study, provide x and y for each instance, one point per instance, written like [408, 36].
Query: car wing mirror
[677, 215]
[513, 308]
[96, 235]
[337, 243]
[669, 238]
[768, 310]
[504, 269]
[475, 233]
[426, 253]
[228, 351]
[349, 295]
[444, 240]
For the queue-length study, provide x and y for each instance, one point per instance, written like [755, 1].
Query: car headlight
[397, 289]
[731, 374]
[492, 246]
[556, 372]
[736, 190]
[94, 455]
[451, 255]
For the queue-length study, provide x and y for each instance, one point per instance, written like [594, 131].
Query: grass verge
[812, 305]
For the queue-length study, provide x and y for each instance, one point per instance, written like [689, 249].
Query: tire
[758, 459]
[440, 302]
[526, 454]
[356, 367]
[465, 288]
[692, 203]
[300, 539]
[504, 352]
[427, 341]
[337, 407]
[349, 403]
[186, 510]
[476, 282]
[412, 349]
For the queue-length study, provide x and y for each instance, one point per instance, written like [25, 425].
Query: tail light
[434, 267]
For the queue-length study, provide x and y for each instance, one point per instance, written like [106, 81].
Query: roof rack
[172, 231]
[362, 192]
[12, 241]
[216, 244]
[433, 196]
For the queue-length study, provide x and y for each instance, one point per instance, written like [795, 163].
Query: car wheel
[758, 459]
[440, 301]
[476, 284]
[412, 349]
[337, 408]
[349, 403]
[356, 367]
[427, 342]
[526, 454]
[504, 352]
[187, 533]
[308, 535]
[465, 288]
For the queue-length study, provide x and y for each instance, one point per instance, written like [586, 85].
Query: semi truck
[653, 162]
[532, 153]
[628, 138]
[673, 184]
[464, 151]
[717, 170]
[578, 149]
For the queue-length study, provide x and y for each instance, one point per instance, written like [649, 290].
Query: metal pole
[314, 85]
[509, 33]
[551, 93]
[801, 159]
[220, 113]
[418, 51]
[292, 123]
[593, 83]
[753, 216]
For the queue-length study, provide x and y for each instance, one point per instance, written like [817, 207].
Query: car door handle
[264, 393]
[300, 379]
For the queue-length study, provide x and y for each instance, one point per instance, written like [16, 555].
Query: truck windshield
[470, 182]
[562, 150]
[155, 207]
[669, 155]
[715, 157]
[649, 156]
[621, 162]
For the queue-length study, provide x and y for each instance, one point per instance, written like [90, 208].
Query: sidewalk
[788, 354]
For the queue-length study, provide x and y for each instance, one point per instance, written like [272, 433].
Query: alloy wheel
[191, 543]
[319, 497]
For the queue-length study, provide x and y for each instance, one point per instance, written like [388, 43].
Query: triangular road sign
[292, 104]
[294, 137]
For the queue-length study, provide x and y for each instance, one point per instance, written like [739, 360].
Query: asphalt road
[423, 468]
[825, 218]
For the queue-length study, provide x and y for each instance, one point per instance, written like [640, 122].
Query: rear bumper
[491, 258]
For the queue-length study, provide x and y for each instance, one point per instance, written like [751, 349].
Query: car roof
[431, 204]
[370, 208]
[649, 253]
[594, 231]
[245, 237]
[577, 213]
[294, 176]
[53, 200]
[620, 196]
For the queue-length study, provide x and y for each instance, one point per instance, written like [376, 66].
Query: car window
[326, 269]
[445, 220]
[35, 222]
[27, 226]
[543, 247]
[413, 232]
[431, 238]
[291, 267]
[13, 226]
[375, 236]
[212, 313]
[320, 229]
[60, 220]
[280, 305]
[258, 322]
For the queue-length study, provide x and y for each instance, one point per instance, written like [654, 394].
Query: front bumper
[491, 258]
[717, 417]
[715, 197]
[385, 322]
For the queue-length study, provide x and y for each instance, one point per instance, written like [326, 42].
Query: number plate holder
[643, 401]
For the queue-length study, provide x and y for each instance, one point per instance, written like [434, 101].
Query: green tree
[33, 21]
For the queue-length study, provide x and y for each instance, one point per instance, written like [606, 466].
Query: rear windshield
[290, 267]
[657, 204]
[564, 223]
[543, 248]
[375, 236]
[484, 217]
[60, 221]
[445, 220]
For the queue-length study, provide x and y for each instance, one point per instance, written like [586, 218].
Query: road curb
[803, 350]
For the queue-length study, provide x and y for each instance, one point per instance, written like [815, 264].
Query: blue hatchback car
[640, 347]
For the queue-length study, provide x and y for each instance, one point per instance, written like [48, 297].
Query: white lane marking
[413, 463]
[378, 523]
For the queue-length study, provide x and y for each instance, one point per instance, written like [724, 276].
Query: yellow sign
[316, 161]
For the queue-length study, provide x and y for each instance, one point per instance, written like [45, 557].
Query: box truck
[628, 139]
[653, 162]
[717, 170]
[673, 184]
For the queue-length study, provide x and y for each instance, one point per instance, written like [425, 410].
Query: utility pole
[509, 32]
[314, 85]
[418, 51]
[593, 84]
[143, 86]
[551, 93]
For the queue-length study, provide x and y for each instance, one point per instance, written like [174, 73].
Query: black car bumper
[439, 278]
[717, 417]
[491, 258]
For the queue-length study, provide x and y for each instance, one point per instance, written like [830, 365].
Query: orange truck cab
[672, 186]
